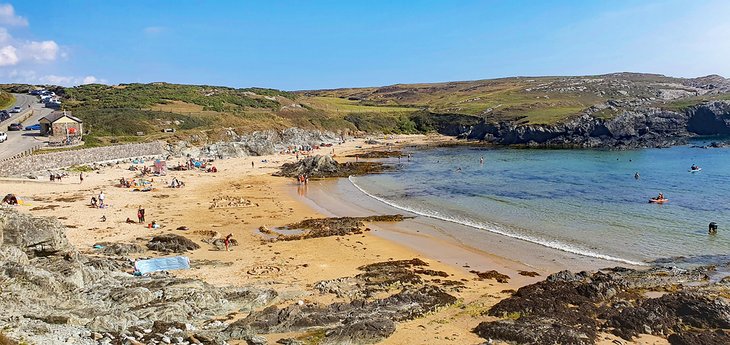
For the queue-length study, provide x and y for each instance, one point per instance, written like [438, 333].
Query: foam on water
[495, 229]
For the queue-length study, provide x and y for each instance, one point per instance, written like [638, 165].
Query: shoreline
[294, 267]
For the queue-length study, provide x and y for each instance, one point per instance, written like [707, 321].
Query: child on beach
[227, 242]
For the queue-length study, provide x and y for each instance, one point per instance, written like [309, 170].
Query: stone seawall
[56, 160]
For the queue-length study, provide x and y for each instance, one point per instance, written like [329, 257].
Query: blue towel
[162, 264]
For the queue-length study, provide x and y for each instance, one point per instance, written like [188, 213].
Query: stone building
[62, 128]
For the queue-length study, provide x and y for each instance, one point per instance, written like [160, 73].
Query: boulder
[33, 235]
[172, 243]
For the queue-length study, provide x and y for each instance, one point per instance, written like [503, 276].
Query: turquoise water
[581, 201]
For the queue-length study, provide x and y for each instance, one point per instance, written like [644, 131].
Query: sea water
[585, 202]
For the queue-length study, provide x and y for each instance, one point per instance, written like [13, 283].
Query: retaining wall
[56, 160]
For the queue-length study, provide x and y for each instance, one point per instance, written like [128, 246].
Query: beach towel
[162, 264]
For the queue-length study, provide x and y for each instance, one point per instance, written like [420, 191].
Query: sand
[293, 267]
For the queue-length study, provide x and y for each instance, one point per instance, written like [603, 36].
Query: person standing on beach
[140, 214]
[101, 199]
[81, 177]
[227, 242]
[251, 164]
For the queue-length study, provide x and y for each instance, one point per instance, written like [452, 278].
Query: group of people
[98, 202]
[57, 177]
[175, 183]
[124, 183]
[303, 179]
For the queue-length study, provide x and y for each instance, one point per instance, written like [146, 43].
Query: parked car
[36, 127]
[15, 127]
[16, 109]
[3, 137]
[4, 115]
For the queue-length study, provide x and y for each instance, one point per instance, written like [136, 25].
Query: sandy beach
[293, 267]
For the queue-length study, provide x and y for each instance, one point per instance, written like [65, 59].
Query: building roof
[54, 116]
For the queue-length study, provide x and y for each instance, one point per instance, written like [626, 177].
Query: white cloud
[69, 80]
[90, 79]
[32, 77]
[4, 35]
[8, 56]
[8, 16]
[40, 51]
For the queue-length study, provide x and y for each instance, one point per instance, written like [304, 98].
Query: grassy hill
[541, 100]
[119, 113]
[201, 112]
[6, 100]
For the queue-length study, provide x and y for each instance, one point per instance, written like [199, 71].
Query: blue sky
[296, 45]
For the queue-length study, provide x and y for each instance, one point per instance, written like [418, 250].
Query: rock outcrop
[634, 126]
[257, 143]
[52, 294]
[369, 318]
[570, 308]
[172, 243]
[325, 166]
[34, 236]
[325, 227]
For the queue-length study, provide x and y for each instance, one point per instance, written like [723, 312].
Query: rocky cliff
[640, 127]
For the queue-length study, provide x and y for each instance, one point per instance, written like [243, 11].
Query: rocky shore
[54, 294]
[683, 306]
[633, 126]
[325, 166]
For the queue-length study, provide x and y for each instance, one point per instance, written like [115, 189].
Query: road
[20, 141]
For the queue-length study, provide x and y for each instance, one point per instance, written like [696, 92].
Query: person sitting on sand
[93, 201]
[129, 221]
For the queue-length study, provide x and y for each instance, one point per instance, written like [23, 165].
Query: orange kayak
[658, 201]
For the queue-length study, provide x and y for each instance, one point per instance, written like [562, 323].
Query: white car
[3, 137]
[15, 110]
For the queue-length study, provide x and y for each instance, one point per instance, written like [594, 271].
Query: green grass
[6, 100]
[684, 104]
[141, 96]
[345, 106]
[128, 122]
